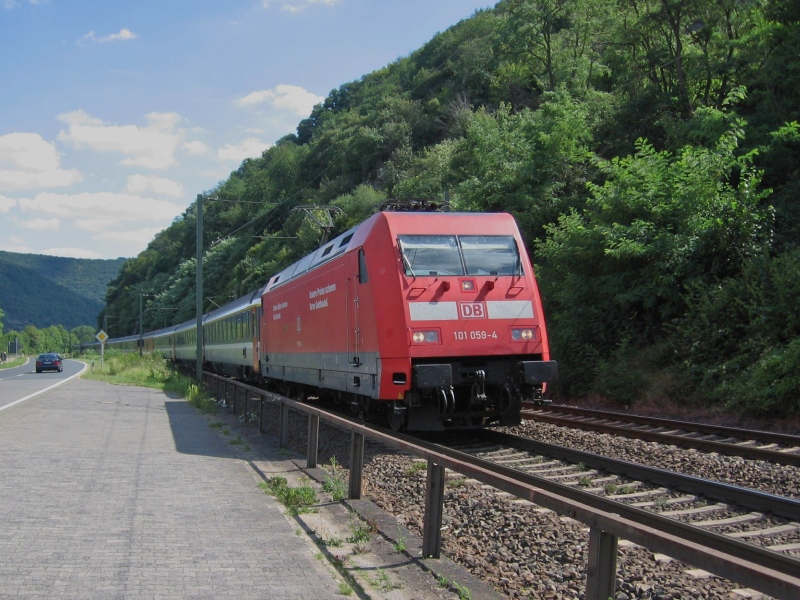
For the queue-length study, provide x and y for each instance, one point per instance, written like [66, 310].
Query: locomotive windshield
[431, 255]
[459, 255]
[490, 254]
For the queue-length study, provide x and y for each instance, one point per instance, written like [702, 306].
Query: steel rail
[782, 506]
[484, 470]
[763, 557]
[765, 570]
[724, 448]
[770, 437]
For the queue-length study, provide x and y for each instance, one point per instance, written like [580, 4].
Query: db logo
[473, 310]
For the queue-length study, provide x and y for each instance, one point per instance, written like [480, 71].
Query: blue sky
[114, 115]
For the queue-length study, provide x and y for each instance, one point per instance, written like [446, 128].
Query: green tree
[84, 333]
[546, 44]
[532, 163]
[616, 273]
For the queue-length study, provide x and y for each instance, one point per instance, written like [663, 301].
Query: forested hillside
[649, 150]
[43, 290]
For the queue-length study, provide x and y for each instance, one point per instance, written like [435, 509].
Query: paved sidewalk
[122, 492]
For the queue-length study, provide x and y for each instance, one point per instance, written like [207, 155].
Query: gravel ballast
[525, 551]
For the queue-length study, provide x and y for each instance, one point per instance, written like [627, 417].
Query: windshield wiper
[406, 262]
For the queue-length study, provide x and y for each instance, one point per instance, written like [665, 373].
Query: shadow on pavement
[191, 432]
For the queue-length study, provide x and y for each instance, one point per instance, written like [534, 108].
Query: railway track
[754, 522]
[748, 537]
[747, 443]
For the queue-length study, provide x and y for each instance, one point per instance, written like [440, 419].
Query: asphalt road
[19, 384]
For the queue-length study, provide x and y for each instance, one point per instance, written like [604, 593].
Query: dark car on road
[49, 362]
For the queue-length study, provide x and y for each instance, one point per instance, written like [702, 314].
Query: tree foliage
[46, 290]
[659, 225]
[55, 338]
[648, 148]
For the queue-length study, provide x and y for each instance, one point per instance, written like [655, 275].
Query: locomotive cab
[477, 342]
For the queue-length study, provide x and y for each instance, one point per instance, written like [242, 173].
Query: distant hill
[43, 290]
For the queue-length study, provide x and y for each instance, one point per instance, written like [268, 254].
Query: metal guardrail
[747, 565]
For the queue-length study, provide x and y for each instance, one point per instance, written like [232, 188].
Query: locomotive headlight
[425, 337]
[522, 334]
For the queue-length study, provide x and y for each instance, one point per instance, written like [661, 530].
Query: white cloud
[94, 224]
[17, 247]
[6, 203]
[123, 35]
[138, 184]
[136, 238]
[116, 208]
[78, 117]
[41, 224]
[152, 146]
[27, 161]
[249, 148]
[284, 97]
[163, 121]
[195, 148]
[294, 6]
[71, 252]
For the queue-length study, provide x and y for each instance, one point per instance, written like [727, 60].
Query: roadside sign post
[101, 337]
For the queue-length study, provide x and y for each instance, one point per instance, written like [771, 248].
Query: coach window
[362, 267]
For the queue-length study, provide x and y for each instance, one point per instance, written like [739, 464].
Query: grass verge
[150, 370]
[12, 363]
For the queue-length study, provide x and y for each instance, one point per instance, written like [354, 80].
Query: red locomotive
[426, 320]
[431, 319]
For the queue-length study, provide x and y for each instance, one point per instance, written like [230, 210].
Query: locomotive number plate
[481, 334]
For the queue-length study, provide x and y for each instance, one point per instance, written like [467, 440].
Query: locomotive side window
[362, 267]
[490, 255]
[430, 255]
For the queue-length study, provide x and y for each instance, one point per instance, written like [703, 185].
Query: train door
[354, 341]
[254, 324]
